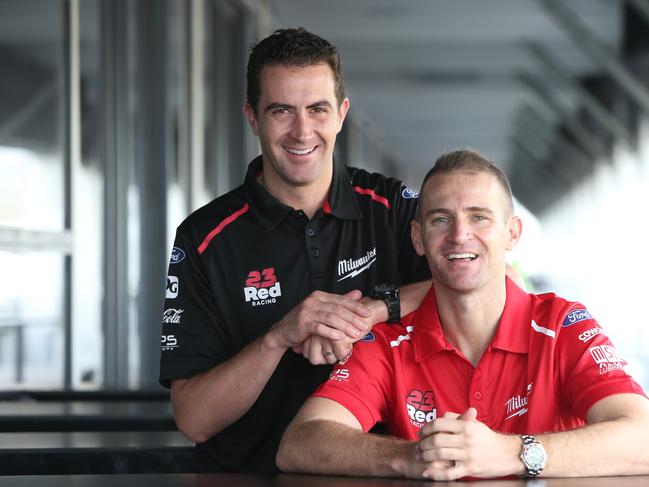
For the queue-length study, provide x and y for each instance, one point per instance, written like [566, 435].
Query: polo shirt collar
[268, 209]
[340, 202]
[513, 330]
[512, 334]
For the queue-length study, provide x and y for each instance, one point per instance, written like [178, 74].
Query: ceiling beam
[641, 6]
[580, 161]
[606, 119]
[590, 144]
[596, 50]
[520, 146]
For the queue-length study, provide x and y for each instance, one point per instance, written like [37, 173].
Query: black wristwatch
[389, 294]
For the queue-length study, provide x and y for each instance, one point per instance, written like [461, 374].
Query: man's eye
[479, 218]
[319, 109]
[439, 220]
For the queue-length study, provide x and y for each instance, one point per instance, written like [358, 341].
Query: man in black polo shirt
[285, 261]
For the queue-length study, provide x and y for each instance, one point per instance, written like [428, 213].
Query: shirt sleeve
[404, 200]
[190, 323]
[590, 367]
[362, 384]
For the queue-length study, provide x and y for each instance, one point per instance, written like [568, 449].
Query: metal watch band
[532, 472]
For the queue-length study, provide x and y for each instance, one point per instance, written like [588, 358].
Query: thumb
[470, 414]
[354, 295]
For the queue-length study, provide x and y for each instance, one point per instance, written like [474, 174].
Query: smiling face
[297, 120]
[464, 229]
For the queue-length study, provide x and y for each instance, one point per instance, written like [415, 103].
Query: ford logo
[368, 338]
[575, 316]
[409, 193]
[177, 255]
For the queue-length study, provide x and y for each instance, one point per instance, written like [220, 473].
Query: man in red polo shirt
[483, 380]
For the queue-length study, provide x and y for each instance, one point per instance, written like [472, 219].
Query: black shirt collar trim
[340, 202]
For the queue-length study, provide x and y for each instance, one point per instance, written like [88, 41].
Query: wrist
[389, 296]
[272, 342]
[403, 462]
[532, 456]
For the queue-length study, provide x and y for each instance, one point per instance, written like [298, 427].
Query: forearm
[329, 447]
[608, 448]
[208, 402]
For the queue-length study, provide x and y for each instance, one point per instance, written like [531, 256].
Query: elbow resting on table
[192, 432]
[187, 419]
[284, 459]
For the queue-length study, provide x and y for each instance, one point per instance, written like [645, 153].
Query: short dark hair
[291, 47]
[471, 161]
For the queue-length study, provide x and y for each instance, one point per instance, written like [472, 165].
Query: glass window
[31, 115]
[31, 319]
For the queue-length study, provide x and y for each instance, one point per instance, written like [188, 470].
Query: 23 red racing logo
[421, 407]
[262, 287]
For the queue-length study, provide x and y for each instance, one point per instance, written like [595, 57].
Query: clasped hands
[324, 326]
[458, 445]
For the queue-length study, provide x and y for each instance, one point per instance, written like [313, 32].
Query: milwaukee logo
[516, 406]
[353, 267]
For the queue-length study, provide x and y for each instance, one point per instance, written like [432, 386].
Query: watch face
[384, 288]
[535, 456]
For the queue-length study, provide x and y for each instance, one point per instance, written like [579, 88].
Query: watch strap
[532, 471]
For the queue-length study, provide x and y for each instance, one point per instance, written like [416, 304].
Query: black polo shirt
[244, 260]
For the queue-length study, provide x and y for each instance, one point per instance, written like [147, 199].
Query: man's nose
[302, 127]
[460, 231]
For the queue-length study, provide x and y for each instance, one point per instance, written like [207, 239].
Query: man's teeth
[300, 152]
[461, 256]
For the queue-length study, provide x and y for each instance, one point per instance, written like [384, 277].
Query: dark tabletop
[286, 480]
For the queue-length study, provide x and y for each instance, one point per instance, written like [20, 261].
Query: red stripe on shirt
[221, 226]
[373, 195]
[325, 207]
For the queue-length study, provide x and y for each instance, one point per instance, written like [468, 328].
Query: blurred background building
[120, 117]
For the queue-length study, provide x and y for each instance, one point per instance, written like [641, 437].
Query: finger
[446, 454]
[445, 473]
[426, 430]
[442, 425]
[439, 441]
[333, 320]
[470, 414]
[322, 348]
[352, 301]
[329, 356]
[354, 295]
[341, 349]
[313, 350]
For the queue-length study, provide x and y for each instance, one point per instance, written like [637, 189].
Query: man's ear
[252, 119]
[515, 230]
[342, 113]
[415, 235]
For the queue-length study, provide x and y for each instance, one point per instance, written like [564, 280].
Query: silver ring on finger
[328, 354]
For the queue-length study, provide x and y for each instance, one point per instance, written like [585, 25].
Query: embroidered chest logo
[262, 287]
[421, 407]
[353, 267]
[517, 405]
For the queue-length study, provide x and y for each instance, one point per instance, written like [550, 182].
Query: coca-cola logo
[172, 316]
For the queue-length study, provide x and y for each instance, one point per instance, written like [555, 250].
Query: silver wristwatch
[533, 456]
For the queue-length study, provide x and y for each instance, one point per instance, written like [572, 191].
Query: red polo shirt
[548, 363]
